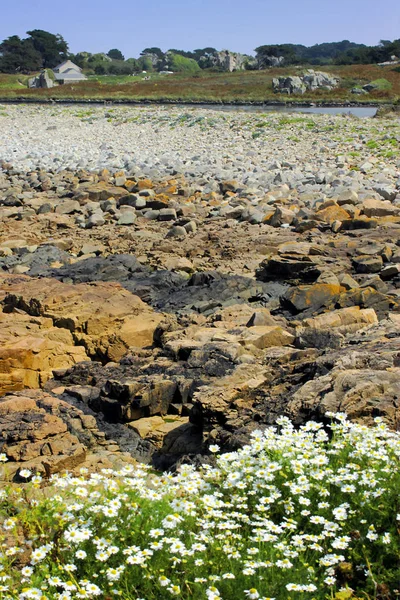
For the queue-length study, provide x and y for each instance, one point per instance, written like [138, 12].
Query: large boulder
[47, 325]
[360, 393]
[46, 434]
[311, 298]
[35, 437]
[310, 81]
[315, 80]
[45, 79]
[289, 85]
[30, 348]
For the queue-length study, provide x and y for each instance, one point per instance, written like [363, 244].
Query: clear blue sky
[241, 25]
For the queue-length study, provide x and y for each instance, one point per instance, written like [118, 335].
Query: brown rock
[368, 264]
[311, 297]
[35, 438]
[155, 429]
[265, 337]
[346, 320]
[102, 191]
[380, 208]
[361, 222]
[331, 214]
[30, 348]
[103, 317]
[361, 393]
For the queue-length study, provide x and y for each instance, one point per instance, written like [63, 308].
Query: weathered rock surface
[311, 80]
[102, 317]
[30, 348]
[195, 287]
[45, 434]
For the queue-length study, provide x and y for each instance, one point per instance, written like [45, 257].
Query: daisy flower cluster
[310, 512]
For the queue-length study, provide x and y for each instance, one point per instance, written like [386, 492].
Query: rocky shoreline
[172, 279]
[182, 102]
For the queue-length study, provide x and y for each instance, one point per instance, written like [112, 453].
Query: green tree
[134, 62]
[120, 67]
[115, 54]
[52, 48]
[145, 63]
[100, 70]
[18, 55]
[181, 64]
[80, 59]
[157, 51]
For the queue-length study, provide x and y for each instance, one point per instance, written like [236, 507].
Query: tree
[19, 55]
[53, 48]
[289, 52]
[80, 59]
[181, 64]
[157, 51]
[100, 70]
[134, 62]
[120, 67]
[115, 54]
[145, 63]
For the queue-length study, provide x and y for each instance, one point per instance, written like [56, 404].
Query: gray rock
[132, 200]
[311, 80]
[191, 227]
[177, 231]
[368, 264]
[95, 220]
[386, 191]
[127, 217]
[167, 214]
[152, 215]
[68, 207]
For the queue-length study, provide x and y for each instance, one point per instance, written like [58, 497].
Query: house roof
[70, 64]
[72, 75]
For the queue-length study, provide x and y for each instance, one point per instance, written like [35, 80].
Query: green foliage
[120, 67]
[19, 55]
[41, 49]
[115, 54]
[381, 84]
[145, 64]
[181, 64]
[296, 510]
[52, 48]
[157, 51]
[342, 53]
[134, 62]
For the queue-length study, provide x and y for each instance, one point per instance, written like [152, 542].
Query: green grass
[382, 84]
[295, 514]
[123, 79]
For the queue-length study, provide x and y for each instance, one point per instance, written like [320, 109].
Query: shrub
[294, 514]
[182, 64]
[381, 84]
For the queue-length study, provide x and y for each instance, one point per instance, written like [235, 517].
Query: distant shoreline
[145, 102]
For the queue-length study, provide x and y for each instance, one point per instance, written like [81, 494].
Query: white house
[67, 72]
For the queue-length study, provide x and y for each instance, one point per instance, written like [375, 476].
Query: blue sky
[241, 25]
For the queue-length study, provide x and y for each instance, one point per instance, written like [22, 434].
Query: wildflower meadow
[298, 513]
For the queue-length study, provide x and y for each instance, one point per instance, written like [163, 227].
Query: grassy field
[245, 86]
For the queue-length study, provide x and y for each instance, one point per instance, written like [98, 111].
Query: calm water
[357, 111]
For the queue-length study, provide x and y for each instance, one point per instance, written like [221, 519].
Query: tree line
[338, 53]
[42, 49]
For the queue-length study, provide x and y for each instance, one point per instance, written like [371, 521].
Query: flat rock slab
[102, 317]
[31, 348]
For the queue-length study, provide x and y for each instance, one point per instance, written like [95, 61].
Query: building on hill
[68, 72]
